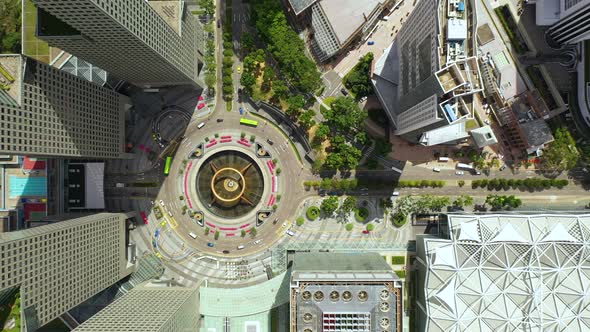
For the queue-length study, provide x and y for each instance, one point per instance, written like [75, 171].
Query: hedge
[312, 213]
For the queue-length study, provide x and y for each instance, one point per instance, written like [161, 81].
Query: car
[219, 120]
[365, 232]
[487, 121]
[290, 232]
[477, 173]
[239, 69]
[275, 221]
[161, 202]
[503, 167]
[395, 193]
[241, 111]
[269, 141]
[344, 92]
[241, 246]
[285, 224]
[258, 241]
[152, 202]
[193, 235]
[370, 42]
[226, 251]
[210, 244]
[170, 213]
[144, 217]
[436, 169]
[363, 99]
[459, 173]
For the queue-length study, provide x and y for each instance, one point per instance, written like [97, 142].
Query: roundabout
[225, 195]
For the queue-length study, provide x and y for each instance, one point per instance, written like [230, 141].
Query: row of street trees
[499, 202]
[530, 183]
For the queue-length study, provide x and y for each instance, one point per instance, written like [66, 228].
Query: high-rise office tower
[426, 80]
[147, 43]
[58, 266]
[569, 19]
[154, 306]
[48, 112]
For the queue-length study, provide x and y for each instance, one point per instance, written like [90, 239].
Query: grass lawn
[471, 124]
[32, 46]
[401, 273]
[398, 260]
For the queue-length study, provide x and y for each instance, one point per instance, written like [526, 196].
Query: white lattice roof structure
[506, 273]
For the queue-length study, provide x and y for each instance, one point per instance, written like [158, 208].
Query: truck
[465, 167]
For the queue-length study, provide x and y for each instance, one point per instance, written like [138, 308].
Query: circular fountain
[230, 184]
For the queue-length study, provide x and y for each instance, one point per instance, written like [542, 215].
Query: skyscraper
[426, 80]
[48, 112]
[154, 306]
[58, 266]
[569, 19]
[142, 42]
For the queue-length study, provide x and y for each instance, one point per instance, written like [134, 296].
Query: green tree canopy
[349, 204]
[329, 205]
[345, 115]
[358, 80]
[562, 154]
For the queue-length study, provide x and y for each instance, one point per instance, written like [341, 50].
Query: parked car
[144, 217]
[503, 167]
[162, 202]
[459, 173]
[370, 42]
[269, 141]
[290, 232]
[219, 120]
[241, 246]
[344, 92]
[170, 213]
[226, 251]
[210, 245]
[436, 169]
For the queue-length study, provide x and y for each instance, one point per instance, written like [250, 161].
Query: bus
[167, 166]
[248, 122]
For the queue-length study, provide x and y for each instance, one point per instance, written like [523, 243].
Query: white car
[162, 202]
[487, 121]
[459, 173]
[170, 213]
[290, 232]
[257, 241]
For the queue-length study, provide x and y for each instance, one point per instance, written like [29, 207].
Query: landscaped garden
[505, 16]
[361, 214]
[312, 213]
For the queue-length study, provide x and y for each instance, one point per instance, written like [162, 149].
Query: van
[395, 193]
[436, 169]
[241, 246]
[201, 125]
[193, 235]
[443, 159]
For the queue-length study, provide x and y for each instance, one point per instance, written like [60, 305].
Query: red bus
[144, 217]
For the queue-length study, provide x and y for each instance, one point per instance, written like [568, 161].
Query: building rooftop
[456, 29]
[537, 132]
[446, 134]
[346, 16]
[483, 136]
[340, 262]
[301, 5]
[506, 272]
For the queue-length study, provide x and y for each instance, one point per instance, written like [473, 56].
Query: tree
[300, 221]
[348, 205]
[562, 154]
[358, 80]
[329, 205]
[210, 79]
[247, 42]
[345, 115]
[349, 227]
[322, 132]
[248, 80]
[267, 77]
[243, 233]
[208, 6]
[280, 89]
[370, 227]
[306, 119]
[253, 231]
